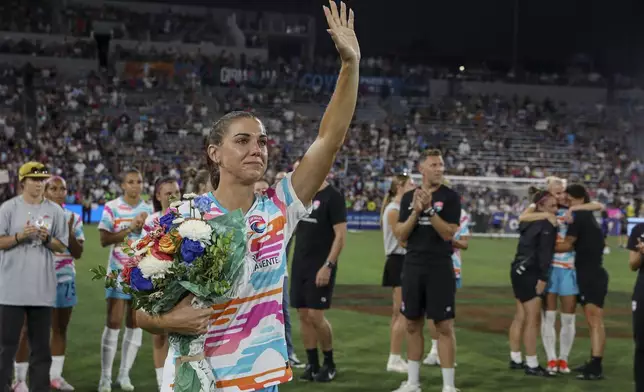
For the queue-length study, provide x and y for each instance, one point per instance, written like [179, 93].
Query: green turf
[361, 339]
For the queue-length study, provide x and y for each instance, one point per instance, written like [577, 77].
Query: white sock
[434, 349]
[413, 372]
[20, 369]
[567, 335]
[159, 372]
[548, 334]
[130, 347]
[109, 343]
[532, 361]
[448, 377]
[516, 356]
[394, 358]
[56, 369]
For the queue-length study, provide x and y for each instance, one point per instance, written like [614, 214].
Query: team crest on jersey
[438, 206]
[316, 204]
[257, 224]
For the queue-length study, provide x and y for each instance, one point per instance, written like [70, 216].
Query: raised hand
[341, 30]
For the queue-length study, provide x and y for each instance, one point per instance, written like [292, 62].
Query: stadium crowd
[91, 126]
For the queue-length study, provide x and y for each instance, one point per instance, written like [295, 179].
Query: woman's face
[166, 192]
[56, 191]
[558, 191]
[408, 185]
[550, 205]
[34, 187]
[243, 152]
[132, 185]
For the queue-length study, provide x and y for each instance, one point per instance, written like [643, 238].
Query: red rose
[125, 274]
[154, 251]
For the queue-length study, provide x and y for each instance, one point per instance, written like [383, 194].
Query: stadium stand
[151, 106]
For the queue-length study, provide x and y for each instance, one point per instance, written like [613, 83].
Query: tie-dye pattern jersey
[246, 345]
[65, 269]
[463, 231]
[564, 260]
[117, 216]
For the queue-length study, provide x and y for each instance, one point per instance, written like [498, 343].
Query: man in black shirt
[429, 218]
[320, 238]
[636, 256]
[585, 237]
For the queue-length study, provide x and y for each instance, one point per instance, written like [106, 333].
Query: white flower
[178, 220]
[176, 204]
[190, 196]
[195, 230]
[151, 267]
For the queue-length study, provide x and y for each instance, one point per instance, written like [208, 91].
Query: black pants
[38, 333]
[638, 336]
[87, 215]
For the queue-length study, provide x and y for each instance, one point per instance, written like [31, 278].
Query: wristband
[430, 211]
[330, 265]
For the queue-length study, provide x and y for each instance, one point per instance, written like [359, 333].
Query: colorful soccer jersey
[246, 345]
[463, 231]
[117, 216]
[564, 260]
[65, 269]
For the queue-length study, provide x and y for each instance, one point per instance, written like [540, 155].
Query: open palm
[341, 30]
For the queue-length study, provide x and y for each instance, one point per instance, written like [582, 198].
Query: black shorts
[429, 291]
[524, 285]
[593, 287]
[304, 294]
[392, 276]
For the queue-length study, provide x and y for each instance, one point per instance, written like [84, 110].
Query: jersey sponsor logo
[257, 224]
[438, 206]
[266, 263]
[316, 204]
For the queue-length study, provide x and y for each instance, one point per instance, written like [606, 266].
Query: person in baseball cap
[33, 170]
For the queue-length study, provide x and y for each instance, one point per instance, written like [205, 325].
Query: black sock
[596, 364]
[328, 358]
[312, 357]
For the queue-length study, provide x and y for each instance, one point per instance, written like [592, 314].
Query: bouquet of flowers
[179, 256]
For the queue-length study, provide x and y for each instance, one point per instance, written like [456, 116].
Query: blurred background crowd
[89, 89]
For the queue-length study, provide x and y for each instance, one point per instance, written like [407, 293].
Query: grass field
[360, 322]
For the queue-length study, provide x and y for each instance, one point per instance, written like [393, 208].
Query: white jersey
[463, 231]
[392, 247]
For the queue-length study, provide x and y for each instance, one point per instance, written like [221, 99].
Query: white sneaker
[397, 366]
[125, 384]
[450, 389]
[105, 385]
[432, 359]
[405, 387]
[20, 386]
[59, 384]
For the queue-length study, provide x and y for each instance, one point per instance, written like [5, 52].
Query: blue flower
[190, 250]
[166, 221]
[138, 282]
[202, 203]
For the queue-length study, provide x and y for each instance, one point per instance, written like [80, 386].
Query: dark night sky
[469, 31]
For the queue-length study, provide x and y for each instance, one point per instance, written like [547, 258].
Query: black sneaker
[326, 374]
[591, 375]
[538, 372]
[516, 366]
[309, 374]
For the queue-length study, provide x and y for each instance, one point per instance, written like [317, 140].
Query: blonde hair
[396, 182]
[554, 180]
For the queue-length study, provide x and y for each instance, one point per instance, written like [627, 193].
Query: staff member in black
[320, 238]
[585, 237]
[529, 274]
[635, 258]
[429, 218]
